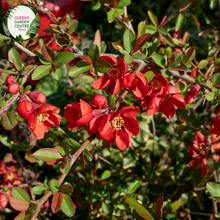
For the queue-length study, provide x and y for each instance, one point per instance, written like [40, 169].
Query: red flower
[193, 72]
[99, 100]
[215, 126]
[11, 178]
[120, 126]
[37, 97]
[199, 150]
[24, 108]
[157, 90]
[43, 118]
[167, 104]
[3, 200]
[191, 95]
[2, 167]
[113, 78]
[137, 83]
[78, 114]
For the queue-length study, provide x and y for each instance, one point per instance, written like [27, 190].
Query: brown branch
[30, 53]
[63, 176]
[176, 12]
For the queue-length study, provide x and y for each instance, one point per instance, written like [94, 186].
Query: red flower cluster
[215, 126]
[199, 150]
[40, 117]
[113, 78]
[191, 95]
[13, 87]
[116, 127]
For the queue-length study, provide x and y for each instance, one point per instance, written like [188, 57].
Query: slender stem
[24, 49]
[188, 207]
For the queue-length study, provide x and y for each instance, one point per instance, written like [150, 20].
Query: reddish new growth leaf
[159, 206]
[18, 204]
[56, 202]
[192, 94]
[48, 54]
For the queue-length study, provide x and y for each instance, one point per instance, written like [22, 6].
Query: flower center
[155, 84]
[203, 148]
[114, 73]
[10, 176]
[117, 123]
[42, 117]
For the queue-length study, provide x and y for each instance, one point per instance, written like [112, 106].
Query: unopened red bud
[176, 34]
[24, 108]
[13, 88]
[10, 79]
[195, 90]
[178, 50]
[189, 98]
[193, 72]
[3, 200]
[161, 48]
[37, 97]
[99, 100]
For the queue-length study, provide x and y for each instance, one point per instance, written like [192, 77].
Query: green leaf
[95, 5]
[67, 206]
[79, 68]
[48, 54]
[150, 29]
[65, 145]
[19, 193]
[66, 188]
[19, 204]
[123, 3]
[153, 47]
[88, 155]
[138, 56]
[52, 30]
[102, 66]
[34, 26]
[141, 29]
[64, 57]
[16, 56]
[94, 52]
[162, 31]
[111, 15]
[128, 58]
[38, 190]
[134, 185]
[210, 96]
[178, 58]
[174, 206]
[105, 175]
[159, 60]
[179, 21]
[62, 42]
[57, 75]
[203, 64]
[106, 208]
[3, 37]
[149, 75]
[111, 101]
[22, 216]
[194, 19]
[40, 72]
[54, 185]
[189, 55]
[212, 3]
[72, 26]
[9, 120]
[214, 189]
[128, 40]
[216, 79]
[139, 208]
[47, 154]
[153, 18]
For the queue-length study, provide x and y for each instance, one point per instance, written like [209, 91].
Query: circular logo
[21, 22]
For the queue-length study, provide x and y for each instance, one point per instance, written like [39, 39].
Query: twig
[153, 125]
[24, 49]
[188, 207]
[109, 163]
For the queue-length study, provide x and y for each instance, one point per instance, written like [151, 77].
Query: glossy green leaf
[111, 15]
[9, 120]
[173, 207]
[48, 54]
[3, 37]
[149, 75]
[128, 40]
[16, 56]
[189, 55]
[141, 29]
[138, 56]
[159, 60]
[62, 42]
[134, 186]
[24, 215]
[153, 47]
[150, 29]
[106, 208]
[139, 208]
[102, 66]
[179, 21]
[212, 3]
[79, 68]
[64, 57]
[178, 58]
[214, 189]
[128, 58]
[106, 174]
[203, 64]
[111, 101]
[57, 75]
[65, 169]
[67, 206]
[19, 193]
[72, 26]
[94, 52]
[52, 30]
[88, 155]
[54, 185]
[41, 71]
[66, 188]
[153, 18]
[38, 190]
[95, 5]
[216, 79]
[123, 3]
[210, 96]
[47, 154]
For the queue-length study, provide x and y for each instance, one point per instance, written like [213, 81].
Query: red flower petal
[173, 90]
[115, 86]
[151, 111]
[74, 105]
[105, 130]
[204, 166]
[124, 66]
[47, 107]
[71, 115]
[129, 111]
[142, 81]
[154, 102]
[83, 120]
[101, 82]
[140, 92]
[168, 109]
[85, 107]
[54, 118]
[129, 82]
[131, 126]
[178, 101]
[121, 139]
[110, 59]
[93, 126]
[201, 136]
[189, 98]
